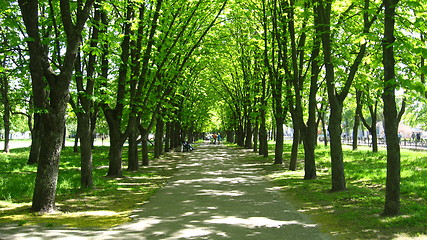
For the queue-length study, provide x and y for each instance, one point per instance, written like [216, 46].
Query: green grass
[108, 204]
[356, 213]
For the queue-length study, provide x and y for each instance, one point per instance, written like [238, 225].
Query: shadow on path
[214, 195]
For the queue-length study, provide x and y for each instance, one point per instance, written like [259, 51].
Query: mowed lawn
[352, 214]
[356, 213]
[108, 204]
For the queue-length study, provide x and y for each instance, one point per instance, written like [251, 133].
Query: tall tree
[274, 55]
[392, 200]
[83, 106]
[57, 87]
[337, 93]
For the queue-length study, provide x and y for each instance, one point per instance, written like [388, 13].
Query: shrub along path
[216, 194]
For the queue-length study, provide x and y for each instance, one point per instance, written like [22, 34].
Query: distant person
[214, 137]
[219, 138]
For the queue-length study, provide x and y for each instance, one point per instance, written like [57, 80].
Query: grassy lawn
[108, 204]
[355, 213]
[352, 214]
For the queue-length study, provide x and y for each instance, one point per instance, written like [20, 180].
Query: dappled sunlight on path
[214, 195]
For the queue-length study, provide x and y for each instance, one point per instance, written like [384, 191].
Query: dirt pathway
[214, 195]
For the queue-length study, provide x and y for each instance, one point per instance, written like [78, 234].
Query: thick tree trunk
[309, 138]
[85, 133]
[337, 162]
[52, 135]
[133, 160]
[278, 157]
[392, 199]
[240, 137]
[116, 147]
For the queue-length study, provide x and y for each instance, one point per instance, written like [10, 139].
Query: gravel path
[214, 195]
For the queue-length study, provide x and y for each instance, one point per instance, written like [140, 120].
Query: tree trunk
[85, 133]
[6, 109]
[295, 144]
[48, 167]
[248, 135]
[337, 162]
[35, 140]
[392, 199]
[133, 160]
[240, 137]
[158, 144]
[52, 135]
[255, 136]
[76, 140]
[357, 119]
[144, 148]
[263, 136]
[309, 137]
[116, 146]
[167, 136]
[278, 157]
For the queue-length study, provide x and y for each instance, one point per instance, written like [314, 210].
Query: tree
[83, 105]
[275, 44]
[46, 80]
[392, 201]
[337, 96]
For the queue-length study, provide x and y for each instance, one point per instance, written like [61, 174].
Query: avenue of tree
[178, 68]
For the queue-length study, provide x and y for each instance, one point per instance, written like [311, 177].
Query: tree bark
[392, 198]
[133, 160]
[116, 145]
[144, 147]
[263, 136]
[248, 134]
[6, 114]
[158, 144]
[357, 119]
[295, 145]
[167, 137]
[85, 133]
